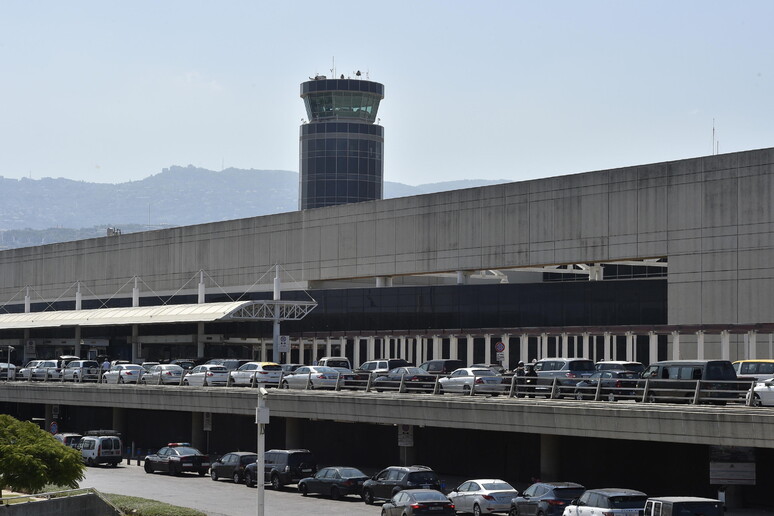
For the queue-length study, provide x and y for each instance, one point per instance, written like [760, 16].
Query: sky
[112, 92]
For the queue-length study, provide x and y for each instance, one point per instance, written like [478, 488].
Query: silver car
[162, 374]
[81, 371]
[464, 379]
[483, 496]
[207, 374]
[266, 373]
[124, 373]
[315, 377]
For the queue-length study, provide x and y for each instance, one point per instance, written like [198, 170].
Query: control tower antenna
[333, 66]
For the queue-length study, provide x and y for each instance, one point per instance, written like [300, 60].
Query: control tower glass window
[341, 148]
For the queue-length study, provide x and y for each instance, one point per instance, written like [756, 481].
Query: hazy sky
[116, 91]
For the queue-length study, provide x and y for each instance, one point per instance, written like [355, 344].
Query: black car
[388, 482]
[418, 501]
[334, 481]
[414, 379]
[616, 384]
[282, 467]
[545, 498]
[232, 465]
[177, 458]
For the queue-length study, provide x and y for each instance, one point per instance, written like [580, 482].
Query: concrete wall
[711, 216]
[76, 505]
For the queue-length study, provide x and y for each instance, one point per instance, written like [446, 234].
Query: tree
[30, 458]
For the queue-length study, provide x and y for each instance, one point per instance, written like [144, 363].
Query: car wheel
[120, 379]
[185, 382]
[579, 395]
[368, 497]
[236, 478]
[611, 397]
[142, 382]
[248, 479]
[513, 512]
[540, 513]
[90, 462]
[75, 377]
[476, 510]
[651, 398]
[285, 385]
[335, 494]
[213, 475]
[275, 482]
[202, 472]
[148, 468]
[756, 402]
[466, 390]
[303, 489]
[114, 464]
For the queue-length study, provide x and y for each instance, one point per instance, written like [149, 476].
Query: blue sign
[54, 427]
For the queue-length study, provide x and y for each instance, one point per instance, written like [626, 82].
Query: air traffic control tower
[341, 147]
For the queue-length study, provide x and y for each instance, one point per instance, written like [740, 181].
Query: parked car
[619, 365]
[72, 440]
[683, 506]
[414, 379]
[567, 371]
[763, 394]
[148, 365]
[611, 502]
[616, 384]
[312, 377]
[418, 501]
[207, 374]
[185, 363]
[47, 369]
[442, 366]
[162, 374]
[289, 368]
[759, 369]
[385, 484]
[25, 373]
[265, 373]
[379, 367]
[101, 447]
[497, 368]
[462, 380]
[545, 498]
[483, 496]
[335, 362]
[675, 381]
[81, 370]
[7, 371]
[123, 373]
[177, 458]
[232, 465]
[334, 481]
[282, 467]
[231, 364]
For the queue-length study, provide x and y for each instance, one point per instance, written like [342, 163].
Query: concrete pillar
[356, 352]
[385, 351]
[725, 345]
[300, 352]
[77, 339]
[506, 339]
[575, 346]
[524, 348]
[543, 349]
[199, 339]
[652, 347]
[753, 339]
[293, 434]
[550, 460]
[565, 346]
[675, 345]
[119, 420]
[700, 345]
[462, 277]
[469, 359]
[771, 345]
[630, 351]
[135, 344]
[437, 347]
[198, 439]
[425, 345]
[264, 351]
[453, 349]
[342, 347]
[607, 355]
[136, 293]
[586, 346]
[370, 345]
[487, 349]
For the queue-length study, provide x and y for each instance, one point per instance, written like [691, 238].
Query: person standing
[105, 367]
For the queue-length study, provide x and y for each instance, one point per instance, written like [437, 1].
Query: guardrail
[718, 392]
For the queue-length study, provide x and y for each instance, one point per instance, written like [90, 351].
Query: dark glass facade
[341, 149]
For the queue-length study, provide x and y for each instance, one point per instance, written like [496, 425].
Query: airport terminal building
[662, 260]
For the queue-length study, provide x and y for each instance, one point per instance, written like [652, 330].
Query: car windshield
[325, 369]
[628, 374]
[413, 370]
[337, 363]
[272, 367]
[297, 458]
[720, 371]
[627, 502]
[131, 367]
[247, 459]
[422, 477]
[185, 450]
[498, 486]
[217, 369]
[351, 472]
[568, 492]
[429, 496]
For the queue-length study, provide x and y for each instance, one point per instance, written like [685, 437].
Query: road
[221, 498]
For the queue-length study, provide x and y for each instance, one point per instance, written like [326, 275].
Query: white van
[683, 506]
[101, 447]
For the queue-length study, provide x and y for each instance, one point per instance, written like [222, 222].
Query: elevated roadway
[733, 425]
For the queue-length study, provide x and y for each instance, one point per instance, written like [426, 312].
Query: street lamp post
[261, 419]
[8, 364]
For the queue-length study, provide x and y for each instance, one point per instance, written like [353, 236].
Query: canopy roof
[165, 314]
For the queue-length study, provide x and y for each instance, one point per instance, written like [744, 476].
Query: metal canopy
[166, 314]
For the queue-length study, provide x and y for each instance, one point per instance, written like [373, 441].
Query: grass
[144, 507]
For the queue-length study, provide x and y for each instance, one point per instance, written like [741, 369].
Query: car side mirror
[769, 382]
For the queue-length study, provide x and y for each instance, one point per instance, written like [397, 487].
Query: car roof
[562, 484]
[765, 360]
[616, 491]
[674, 499]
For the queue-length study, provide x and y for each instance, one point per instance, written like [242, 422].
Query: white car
[463, 379]
[207, 374]
[124, 373]
[162, 374]
[81, 370]
[266, 373]
[763, 393]
[317, 377]
[483, 496]
[25, 373]
[7, 371]
[47, 370]
[611, 502]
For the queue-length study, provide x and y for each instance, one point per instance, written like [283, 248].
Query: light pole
[261, 419]
[8, 364]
